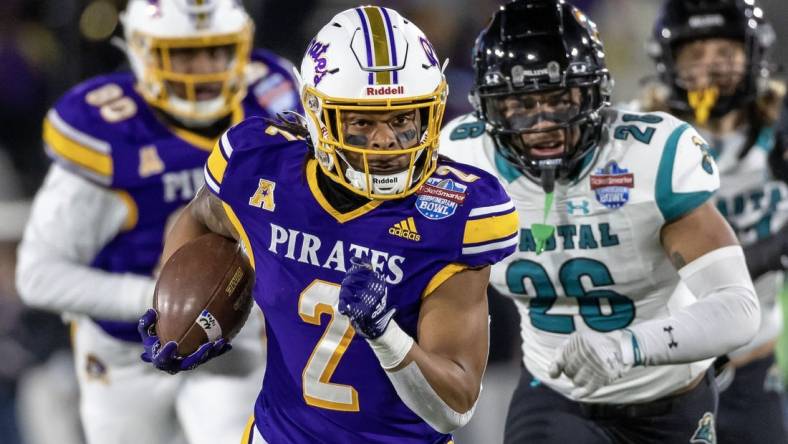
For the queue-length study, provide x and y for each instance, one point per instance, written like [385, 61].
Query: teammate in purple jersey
[372, 253]
[128, 153]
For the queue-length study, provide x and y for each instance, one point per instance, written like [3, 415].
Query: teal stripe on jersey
[506, 169]
[673, 205]
[765, 139]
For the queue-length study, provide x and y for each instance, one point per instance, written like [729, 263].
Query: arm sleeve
[725, 317]
[71, 220]
[687, 175]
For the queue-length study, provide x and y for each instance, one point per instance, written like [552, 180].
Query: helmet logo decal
[379, 45]
[706, 21]
[429, 51]
[317, 51]
[588, 24]
[154, 9]
[554, 72]
[200, 12]
[493, 77]
[385, 90]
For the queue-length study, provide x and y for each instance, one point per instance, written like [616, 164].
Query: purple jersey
[323, 383]
[104, 131]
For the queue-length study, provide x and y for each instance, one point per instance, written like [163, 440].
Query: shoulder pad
[687, 175]
[491, 221]
[272, 82]
[273, 61]
[461, 137]
[255, 136]
[78, 130]
[464, 127]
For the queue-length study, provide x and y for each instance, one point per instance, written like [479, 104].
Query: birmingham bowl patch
[611, 185]
[439, 198]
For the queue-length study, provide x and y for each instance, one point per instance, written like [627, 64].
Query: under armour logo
[583, 206]
[669, 331]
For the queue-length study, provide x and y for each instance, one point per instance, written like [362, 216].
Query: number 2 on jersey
[319, 298]
[622, 309]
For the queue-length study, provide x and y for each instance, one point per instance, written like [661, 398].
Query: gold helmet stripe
[380, 44]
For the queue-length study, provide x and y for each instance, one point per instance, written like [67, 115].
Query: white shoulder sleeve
[71, 220]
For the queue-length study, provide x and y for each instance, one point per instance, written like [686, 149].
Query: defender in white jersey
[713, 64]
[615, 212]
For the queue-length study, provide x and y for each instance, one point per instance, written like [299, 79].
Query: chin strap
[543, 231]
[702, 101]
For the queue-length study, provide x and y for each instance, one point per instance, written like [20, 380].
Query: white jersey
[756, 206]
[604, 268]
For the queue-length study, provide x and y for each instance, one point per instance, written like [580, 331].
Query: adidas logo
[406, 229]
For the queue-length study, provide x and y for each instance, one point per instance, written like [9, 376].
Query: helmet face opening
[714, 62]
[713, 55]
[541, 82]
[374, 97]
[196, 78]
[712, 72]
[542, 124]
[381, 149]
[189, 57]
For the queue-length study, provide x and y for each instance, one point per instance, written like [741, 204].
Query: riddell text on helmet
[385, 90]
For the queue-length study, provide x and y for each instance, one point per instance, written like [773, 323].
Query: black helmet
[680, 21]
[541, 46]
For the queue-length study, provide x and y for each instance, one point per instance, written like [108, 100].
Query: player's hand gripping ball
[203, 298]
[165, 357]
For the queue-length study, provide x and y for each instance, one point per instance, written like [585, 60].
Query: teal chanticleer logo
[705, 433]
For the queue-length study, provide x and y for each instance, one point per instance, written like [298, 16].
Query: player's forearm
[439, 390]
[54, 284]
[71, 221]
[726, 317]
[186, 228]
[457, 387]
[204, 214]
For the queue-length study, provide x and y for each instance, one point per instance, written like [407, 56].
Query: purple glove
[165, 357]
[362, 299]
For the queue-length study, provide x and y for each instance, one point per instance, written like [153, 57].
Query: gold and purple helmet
[372, 59]
[154, 29]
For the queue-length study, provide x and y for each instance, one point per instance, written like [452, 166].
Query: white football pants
[125, 400]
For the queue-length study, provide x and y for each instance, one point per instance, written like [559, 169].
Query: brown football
[204, 292]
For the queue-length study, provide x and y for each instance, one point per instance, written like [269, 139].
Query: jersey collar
[202, 142]
[317, 193]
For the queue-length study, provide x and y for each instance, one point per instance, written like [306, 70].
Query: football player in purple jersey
[128, 151]
[372, 253]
